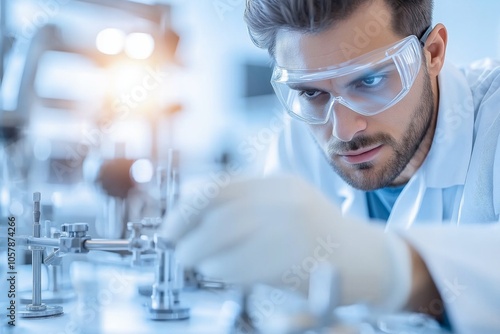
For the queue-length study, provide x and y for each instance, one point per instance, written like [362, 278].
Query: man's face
[368, 152]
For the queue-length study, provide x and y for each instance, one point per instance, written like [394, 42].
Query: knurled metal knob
[75, 229]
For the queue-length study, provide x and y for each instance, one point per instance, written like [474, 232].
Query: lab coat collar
[448, 159]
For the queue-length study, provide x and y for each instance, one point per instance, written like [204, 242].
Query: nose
[345, 122]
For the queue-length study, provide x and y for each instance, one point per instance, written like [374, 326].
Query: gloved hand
[277, 230]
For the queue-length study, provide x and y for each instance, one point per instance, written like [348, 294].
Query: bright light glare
[110, 41]
[124, 76]
[139, 45]
[142, 171]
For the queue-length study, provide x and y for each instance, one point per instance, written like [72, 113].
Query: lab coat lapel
[353, 201]
[447, 162]
[479, 191]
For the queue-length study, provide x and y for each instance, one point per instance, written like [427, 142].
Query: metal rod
[93, 244]
[36, 254]
[172, 179]
[44, 242]
[161, 182]
[3, 38]
[158, 295]
[106, 244]
[53, 279]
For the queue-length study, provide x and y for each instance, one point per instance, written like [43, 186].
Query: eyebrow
[298, 86]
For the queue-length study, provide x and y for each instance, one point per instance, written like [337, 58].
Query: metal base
[176, 313]
[47, 311]
[49, 297]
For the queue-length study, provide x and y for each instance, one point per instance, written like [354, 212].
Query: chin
[365, 176]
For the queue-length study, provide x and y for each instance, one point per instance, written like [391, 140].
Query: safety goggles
[368, 84]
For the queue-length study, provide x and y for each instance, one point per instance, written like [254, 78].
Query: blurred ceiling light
[110, 41]
[139, 45]
[142, 171]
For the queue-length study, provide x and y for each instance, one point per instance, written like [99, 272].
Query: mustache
[336, 146]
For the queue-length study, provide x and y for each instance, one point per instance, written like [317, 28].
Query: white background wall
[473, 27]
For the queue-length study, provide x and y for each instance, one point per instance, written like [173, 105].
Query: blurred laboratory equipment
[134, 189]
[74, 92]
[165, 299]
[59, 288]
[316, 314]
[36, 308]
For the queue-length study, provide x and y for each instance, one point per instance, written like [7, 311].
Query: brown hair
[266, 17]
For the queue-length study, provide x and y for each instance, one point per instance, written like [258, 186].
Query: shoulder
[483, 77]
[484, 80]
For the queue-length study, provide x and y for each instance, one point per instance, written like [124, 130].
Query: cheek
[395, 120]
[392, 122]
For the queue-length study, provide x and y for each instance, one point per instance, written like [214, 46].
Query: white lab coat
[457, 185]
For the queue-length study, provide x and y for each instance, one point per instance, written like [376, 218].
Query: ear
[435, 49]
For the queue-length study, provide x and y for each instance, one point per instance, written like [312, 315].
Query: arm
[464, 262]
[423, 290]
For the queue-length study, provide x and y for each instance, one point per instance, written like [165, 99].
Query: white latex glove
[276, 231]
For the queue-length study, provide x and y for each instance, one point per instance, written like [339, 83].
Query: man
[387, 131]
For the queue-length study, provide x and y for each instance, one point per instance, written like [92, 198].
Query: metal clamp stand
[165, 303]
[56, 292]
[169, 278]
[38, 309]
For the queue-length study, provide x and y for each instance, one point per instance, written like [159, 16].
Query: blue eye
[372, 81]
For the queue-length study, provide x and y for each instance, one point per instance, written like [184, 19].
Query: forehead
[367, 29]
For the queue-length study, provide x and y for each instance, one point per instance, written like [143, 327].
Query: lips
[362, 155]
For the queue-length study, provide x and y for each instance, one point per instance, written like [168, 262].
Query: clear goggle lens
[367, 85]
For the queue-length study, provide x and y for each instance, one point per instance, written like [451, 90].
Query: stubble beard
[369, 176]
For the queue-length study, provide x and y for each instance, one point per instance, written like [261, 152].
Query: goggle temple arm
[425, 35]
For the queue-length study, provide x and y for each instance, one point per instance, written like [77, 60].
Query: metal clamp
[73, 238]
[38, 309]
